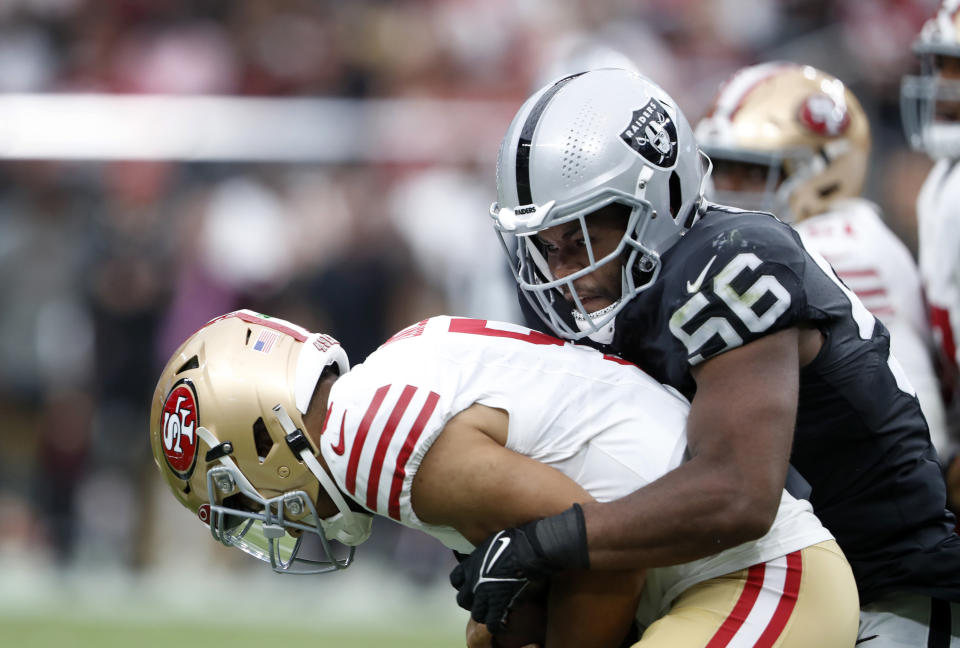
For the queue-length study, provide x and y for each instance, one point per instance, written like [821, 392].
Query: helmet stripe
[737, 88]
[526, 137]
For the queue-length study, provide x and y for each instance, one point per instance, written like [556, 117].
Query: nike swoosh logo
[339, 448]
[502, 546]
[865, 639]
[695, 286]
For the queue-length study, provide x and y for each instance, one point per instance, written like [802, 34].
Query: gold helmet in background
[226, 431]
[785, 138]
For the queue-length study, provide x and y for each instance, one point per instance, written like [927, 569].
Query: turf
[42, 632]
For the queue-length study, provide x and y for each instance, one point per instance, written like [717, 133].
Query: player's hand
[491, 578]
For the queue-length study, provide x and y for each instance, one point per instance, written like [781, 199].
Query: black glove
[492, 578]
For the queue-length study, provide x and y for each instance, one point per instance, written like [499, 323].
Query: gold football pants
[807, 599]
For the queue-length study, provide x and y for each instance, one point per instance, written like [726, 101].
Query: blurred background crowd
[108, 264]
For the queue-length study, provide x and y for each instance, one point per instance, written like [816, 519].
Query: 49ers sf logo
[178, 425]
[824, 115]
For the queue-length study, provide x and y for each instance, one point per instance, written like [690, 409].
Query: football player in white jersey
[794, 141]
[930, 108]
[459, 427]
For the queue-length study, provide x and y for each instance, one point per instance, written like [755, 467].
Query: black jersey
[861, 440]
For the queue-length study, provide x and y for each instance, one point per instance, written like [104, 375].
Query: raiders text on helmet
[226, 431]
[802, 128]
[577, 145]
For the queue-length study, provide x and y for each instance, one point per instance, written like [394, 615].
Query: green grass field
[368, 606]
[72, 633]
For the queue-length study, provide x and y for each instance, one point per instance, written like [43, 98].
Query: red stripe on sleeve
[400, 470]
[357, 446]
[791, 588]
[376, 468]
[751, 590]
[858, 272]
[870, 292]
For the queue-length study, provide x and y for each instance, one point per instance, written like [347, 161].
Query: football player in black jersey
[601, 183]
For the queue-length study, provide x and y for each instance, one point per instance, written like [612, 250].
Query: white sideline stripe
[212, 128]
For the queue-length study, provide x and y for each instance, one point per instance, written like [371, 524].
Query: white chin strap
[604, 334]
[348, 526]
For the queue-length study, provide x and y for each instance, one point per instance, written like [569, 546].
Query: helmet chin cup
[263, 528]
[350, 529]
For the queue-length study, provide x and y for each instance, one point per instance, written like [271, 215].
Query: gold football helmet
[226, 430]
[785, 138]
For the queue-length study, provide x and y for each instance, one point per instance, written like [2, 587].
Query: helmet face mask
[748, 179]
[227, 435]
[930, 100]
[802, 124]
[576, 146]
[637, 265]
[270, 529]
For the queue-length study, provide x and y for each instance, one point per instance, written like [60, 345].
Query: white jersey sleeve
[879, 268]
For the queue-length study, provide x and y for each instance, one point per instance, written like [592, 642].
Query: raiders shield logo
[652, 134]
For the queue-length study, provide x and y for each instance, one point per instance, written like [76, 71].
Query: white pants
[909, 621]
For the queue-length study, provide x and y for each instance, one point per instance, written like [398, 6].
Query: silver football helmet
[577, 145]
[930, 101]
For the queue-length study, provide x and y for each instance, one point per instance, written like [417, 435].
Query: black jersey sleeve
[732, 282]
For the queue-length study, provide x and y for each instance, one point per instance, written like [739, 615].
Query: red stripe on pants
[751, 590]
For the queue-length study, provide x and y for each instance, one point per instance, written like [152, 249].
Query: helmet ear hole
[261, 439]
[192, 363]
[676, 198]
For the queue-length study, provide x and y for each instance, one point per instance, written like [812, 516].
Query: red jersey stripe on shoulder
[788, 600]
[479, 327]
[400, 470]
[373, 484]
[414, 330]
[751, 590]
[357, 446]
[619, 360]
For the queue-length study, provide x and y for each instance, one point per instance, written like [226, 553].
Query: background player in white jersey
[794, 141]
[930, 107]
[458, 427]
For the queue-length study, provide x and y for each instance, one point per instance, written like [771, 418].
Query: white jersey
[938, 229]
[599, 420]
[879, 268]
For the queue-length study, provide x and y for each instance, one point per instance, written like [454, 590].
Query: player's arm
[740, 431]
[739, 434]
[470, 481]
